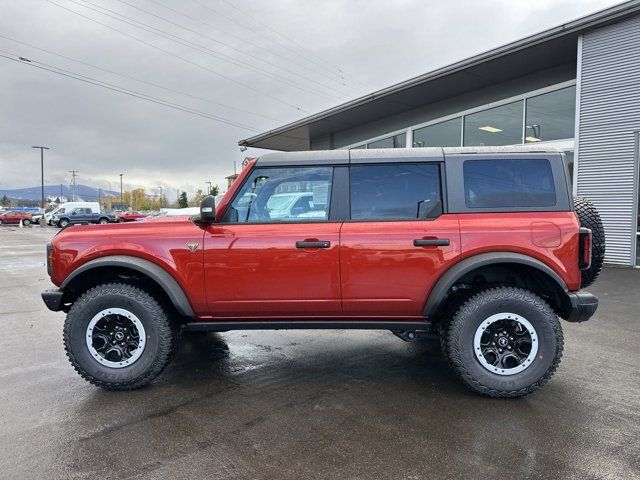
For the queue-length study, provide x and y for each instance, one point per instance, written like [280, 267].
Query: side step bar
[306, 325]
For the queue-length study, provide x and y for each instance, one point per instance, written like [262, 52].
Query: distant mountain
[83, 193]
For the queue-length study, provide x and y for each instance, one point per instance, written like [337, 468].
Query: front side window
[401, 191]
[283, 195]
[508, 183]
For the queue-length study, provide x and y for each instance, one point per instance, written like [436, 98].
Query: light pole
[160, 196]
[209, 191]
[121, 203]
[74, 174]
[42, 149]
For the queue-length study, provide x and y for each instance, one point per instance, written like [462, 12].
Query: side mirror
[208, 210]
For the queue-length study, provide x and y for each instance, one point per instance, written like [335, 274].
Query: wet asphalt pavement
[311, 404]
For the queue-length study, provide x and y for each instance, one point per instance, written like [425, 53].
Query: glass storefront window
[551, 116]
[396, 141]
[495, 126]
[443, 134]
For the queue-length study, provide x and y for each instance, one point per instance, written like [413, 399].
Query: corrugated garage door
[609, 115]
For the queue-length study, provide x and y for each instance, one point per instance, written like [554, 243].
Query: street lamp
[209, 191]
[160, 196]
[42, 149]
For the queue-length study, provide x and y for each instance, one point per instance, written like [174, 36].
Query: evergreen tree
[5, 201]
[183, 202]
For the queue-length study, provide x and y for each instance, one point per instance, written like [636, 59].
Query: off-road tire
[590, 218]
[162, 336]
[458, 337]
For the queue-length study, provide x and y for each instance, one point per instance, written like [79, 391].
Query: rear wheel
[118, 337]
[103, 221]
[26, 222]
[121, 220]
[504, 342]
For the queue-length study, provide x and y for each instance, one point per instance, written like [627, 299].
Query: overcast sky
[258, 66]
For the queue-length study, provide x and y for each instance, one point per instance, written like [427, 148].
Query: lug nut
[509, 347]
[493, 343]
[499, 350]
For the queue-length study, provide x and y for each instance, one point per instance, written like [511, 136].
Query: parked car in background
[122, 217]
[81, 215]
[13, 216]
[67, 207]
[171, 212]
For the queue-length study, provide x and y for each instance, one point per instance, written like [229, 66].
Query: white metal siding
[609, 103]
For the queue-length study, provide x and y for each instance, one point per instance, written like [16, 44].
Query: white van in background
[67, 207]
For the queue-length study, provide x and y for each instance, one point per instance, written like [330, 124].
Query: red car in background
[122, 217]
[15, 217]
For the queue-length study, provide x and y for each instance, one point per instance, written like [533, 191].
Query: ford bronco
[484, 247]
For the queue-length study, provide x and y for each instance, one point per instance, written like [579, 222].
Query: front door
[398, 241]
[275, 251]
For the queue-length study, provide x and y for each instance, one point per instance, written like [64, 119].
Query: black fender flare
[450, 277]
[150, 269]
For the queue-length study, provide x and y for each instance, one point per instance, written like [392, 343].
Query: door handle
[431, 242]
[313, 244]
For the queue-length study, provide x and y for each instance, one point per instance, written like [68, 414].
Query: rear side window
[401, 191]
[508, 183]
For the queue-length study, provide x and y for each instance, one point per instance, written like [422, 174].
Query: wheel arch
[512, 263]
[158, 276]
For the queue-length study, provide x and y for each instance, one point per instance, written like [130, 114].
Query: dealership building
[575, 87]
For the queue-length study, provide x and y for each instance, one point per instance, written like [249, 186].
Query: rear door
[399, 239]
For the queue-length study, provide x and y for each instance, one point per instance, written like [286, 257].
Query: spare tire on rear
[589, 218]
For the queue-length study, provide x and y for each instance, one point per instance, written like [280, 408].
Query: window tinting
[283, 195]
[551, 116]
[397, 141]
[508, 183]
[495, 126]
[395, 192]
[443, 134]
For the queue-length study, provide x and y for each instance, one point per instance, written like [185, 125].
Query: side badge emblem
[192, 246]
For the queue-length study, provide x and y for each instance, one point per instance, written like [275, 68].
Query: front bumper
[580, 306]
[53, 299]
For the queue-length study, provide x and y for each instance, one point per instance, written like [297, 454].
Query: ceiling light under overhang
[490, 129]
[532, 139]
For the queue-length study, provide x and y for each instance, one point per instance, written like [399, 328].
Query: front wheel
[64, 223]
[118, 337]
[504, 342]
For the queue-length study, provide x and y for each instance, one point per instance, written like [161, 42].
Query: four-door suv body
[483, 247]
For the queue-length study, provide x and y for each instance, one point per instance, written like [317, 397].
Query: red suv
[486, 249]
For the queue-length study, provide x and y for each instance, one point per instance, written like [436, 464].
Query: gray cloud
[101, 133]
